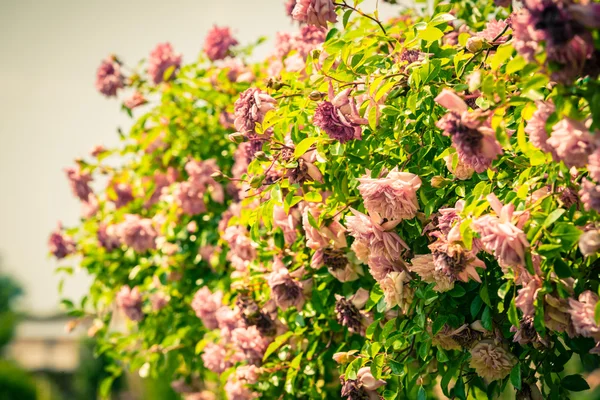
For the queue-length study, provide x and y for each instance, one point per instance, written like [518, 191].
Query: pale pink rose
[286, 222]
[237, 71]
[589, 242]
[200, 173]
[137, 233]
[590, 195]
[536, 126]
[97, 150]
[381, 266]
[501, 237]
[493, 28]
[109, 78]
[162, 59]
[205, 304]
[250, 342]
[315, 12]
[130, 301]
[250, 108]
[397, 291]
[582, 315]
[294, 63]
[374, 236]
[90, 207]
[462, 171]
[367, 380]
[587, 14]
[218, 42]
[526, 297]
[124, 194]
[189, 198]
[491, 361]
[393, 197]
[159, 301]
[60, 244]
[572, 142]
[455, 261]
[450, 100]
[108, 236]
[242, 250]
[424, 266]
[215, 358]
[79, 182]
[333, 234]
[137, 99]
[594, 165]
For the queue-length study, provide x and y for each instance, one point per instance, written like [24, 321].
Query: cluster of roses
[242, 326]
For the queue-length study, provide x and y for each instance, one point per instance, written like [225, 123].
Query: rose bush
[381, 209]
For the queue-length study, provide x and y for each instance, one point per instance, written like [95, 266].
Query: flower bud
[474, 44]
[260, 156]
[217, 176]
[275, 83]
[257, 181]
[237, 137]
[316, 95]
[344, 357]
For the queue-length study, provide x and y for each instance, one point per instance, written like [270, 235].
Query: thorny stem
[283, 96]
[345, 5]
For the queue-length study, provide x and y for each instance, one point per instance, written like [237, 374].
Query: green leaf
[553, 217]
[503, 53]
[574, 383]
[430, 34]
[304, 145]
[476, 306]
[352, 368]
[513, 316]
[422, 395]
[597, 313]
[486, 319]
[275, 344]
[515, 376]
[562, 269]
[439, 323]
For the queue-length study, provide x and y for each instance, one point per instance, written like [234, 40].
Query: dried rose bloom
[472, 137]
[251, 107]
[218, 43]
[393, 197]
[79, 182]
[338, 264]
[137, 233]
[252, 315]
[491, 361]
[59, 244]
[109, 78]
[349, 314]
[501, 237]
[526, 333]
[455, 261]
[124, 194]
[285, 290]
[331, 120]
[205, 304]
[108, 236]
[315, 12]
[572, 142]
[380, 266]
[424, 266]
[461, 171]
[162, 59]
[536, 126]
[130, 301]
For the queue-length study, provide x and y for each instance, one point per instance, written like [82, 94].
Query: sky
[50, 112]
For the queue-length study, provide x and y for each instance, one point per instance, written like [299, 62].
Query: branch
[345, 5]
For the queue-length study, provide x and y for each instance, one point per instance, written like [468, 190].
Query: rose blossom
[572, 142]
[363, 387]
[334, 233]
[491, 361]
[138, 233]
[454, 261]
[501, 237]
[218, 42]
[349, 314]
[589, 242]
[526, 297]
[380, 266]
[189, 198]
[472, 137]
[338, 264]
[250, 342]
[137, 99]
[462, 171]
[536, 126]
[582, 315]
[124, 194]
[59, 244]
[108, 236]
[424, 266]
[205, 304]
[161, 59]
[109, 78]
[590, 195]
[393, 197]
[214, 358]
[374, 238]
[79, 182]
[396, 290]
[315, 12]
[285, 290]
[251, 107]
[286, 222]
[130, 301]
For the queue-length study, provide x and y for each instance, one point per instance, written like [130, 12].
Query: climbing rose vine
[401, 209]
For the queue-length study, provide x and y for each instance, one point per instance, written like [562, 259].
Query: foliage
[408, 207]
